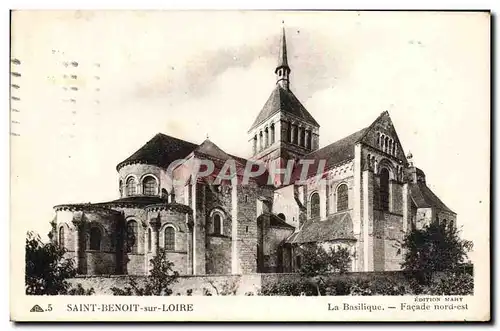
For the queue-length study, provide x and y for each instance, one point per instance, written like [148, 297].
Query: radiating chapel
[365, 197]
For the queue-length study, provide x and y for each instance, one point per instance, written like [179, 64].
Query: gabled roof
[423, 197]
[335, 227]
[209, 148]
[161, 150]
[338, 152]
[283, 100]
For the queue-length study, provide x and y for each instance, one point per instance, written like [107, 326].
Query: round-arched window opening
[131, 186]
[149, 185]
[315, 205]
[342, 197]
[217, 223]
[282, 216]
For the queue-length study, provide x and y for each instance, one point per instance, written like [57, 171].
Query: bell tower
[283, 130]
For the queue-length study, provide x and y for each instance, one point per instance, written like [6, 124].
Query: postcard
[250, 166]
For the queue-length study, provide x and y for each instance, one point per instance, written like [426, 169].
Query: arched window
[384, 189]
[272, 134]
[302, 137]
[218, 224]
[169, 239]
[315, 205]
[131, 186]
[149, 185]
[149, 239]
[61, 237]
[266, 137]
[289, 132]
[282, 216]
[386, 144]
[132, 236]
[120, 184]
[342, 197]
[95, 239]
[309, 140]
[255, 144]
[260, 141]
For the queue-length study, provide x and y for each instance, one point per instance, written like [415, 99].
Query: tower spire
[282, 71]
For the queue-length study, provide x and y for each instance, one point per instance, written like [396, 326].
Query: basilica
[361, 192]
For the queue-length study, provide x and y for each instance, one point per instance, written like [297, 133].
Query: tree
[47, 270]
[158, 282]
[317, 261]
[435, 247]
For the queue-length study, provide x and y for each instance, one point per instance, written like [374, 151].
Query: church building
[360, 192]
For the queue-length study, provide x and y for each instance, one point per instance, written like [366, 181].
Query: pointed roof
[209, 148]
[161, 150]
[283, 100]
[283, 58]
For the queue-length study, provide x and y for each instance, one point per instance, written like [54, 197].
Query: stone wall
[387, 233]
[241, 284]
[214, 283]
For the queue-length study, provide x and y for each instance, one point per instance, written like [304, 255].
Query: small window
[282, 216]
[132, 235]
[315, 205]
[217, 221]
[149, 240]
[342, 197]
[131, 186]
[298, 261]
[169, 243]
[149, 185]
[246, 198]
[61, 237]
[95, 239]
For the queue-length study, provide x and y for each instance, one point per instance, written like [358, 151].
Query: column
[235, 264]
[77, 246]
[322, 199]
[368, 230]
[357, 208]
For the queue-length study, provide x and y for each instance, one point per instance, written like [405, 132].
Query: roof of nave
[423, 197]
[338, 152]
[283, 100]
[161, 150]
[335, 227]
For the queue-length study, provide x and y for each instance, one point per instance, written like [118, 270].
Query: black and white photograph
[192, 154]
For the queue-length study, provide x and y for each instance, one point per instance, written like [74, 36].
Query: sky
[198, 74]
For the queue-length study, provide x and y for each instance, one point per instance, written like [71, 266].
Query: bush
[319, 261]
[435, 247]
[451, 283]
[290, 287]
[158, 282]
